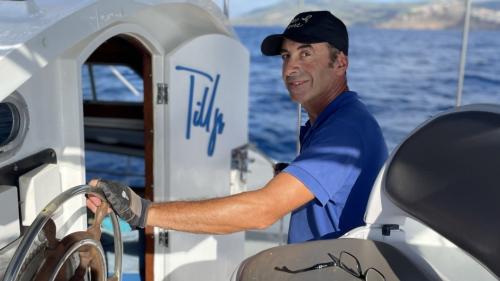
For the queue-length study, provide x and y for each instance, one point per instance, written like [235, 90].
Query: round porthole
[14, 123]
[9, 123]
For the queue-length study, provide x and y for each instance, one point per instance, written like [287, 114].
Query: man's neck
[315, 110]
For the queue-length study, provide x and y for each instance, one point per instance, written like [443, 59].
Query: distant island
[427, 14]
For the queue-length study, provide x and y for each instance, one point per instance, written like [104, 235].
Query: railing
[463, 54]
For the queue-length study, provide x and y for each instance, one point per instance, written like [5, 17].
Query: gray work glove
[126, 203]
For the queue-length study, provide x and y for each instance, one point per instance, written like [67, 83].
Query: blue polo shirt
[341, 155]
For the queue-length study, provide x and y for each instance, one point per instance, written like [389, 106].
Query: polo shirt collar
[339, 101]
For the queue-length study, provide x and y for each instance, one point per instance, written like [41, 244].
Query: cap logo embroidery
[306, 19]
[299, 22]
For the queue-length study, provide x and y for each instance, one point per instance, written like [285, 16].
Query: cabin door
[204, 102]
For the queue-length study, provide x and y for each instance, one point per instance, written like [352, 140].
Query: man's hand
[126, 203]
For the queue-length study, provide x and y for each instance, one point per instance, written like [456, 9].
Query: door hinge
[163, 238]
[162, 93]
[240, 161]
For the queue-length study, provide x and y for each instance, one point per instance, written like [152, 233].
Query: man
[327, 186]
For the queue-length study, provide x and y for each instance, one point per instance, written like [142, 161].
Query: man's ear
[342, 62]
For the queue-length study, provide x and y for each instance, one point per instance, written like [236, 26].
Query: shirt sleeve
[330, 164]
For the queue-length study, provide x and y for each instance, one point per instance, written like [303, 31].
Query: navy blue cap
[310, 27]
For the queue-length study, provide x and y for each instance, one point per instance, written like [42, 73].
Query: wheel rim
[85, 243]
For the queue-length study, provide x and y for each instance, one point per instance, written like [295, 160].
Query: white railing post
[226, 8]
[463, 54]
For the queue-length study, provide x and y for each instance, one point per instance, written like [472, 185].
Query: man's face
[308, 72]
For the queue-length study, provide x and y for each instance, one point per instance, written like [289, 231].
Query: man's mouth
[296, 83]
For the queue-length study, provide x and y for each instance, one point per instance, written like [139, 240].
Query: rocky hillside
[443, 15]
[428, 14]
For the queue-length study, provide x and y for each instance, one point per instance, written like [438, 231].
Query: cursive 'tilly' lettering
[201, 112]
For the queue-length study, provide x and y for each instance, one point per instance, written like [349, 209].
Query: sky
[239, 7]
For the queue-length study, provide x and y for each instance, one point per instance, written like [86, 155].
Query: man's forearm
[239, 212]
[248, 210]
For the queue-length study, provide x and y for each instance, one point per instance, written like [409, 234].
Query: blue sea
[403, 76]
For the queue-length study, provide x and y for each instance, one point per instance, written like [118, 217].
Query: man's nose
[291, 68]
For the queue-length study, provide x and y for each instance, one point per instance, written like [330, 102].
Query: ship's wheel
[77, 256]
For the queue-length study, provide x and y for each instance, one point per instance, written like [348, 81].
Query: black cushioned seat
[447, 175]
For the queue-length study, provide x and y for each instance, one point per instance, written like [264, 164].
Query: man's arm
[248, 210]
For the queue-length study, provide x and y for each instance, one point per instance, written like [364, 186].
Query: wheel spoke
[100, 214]
[80, 273]
[49, 232]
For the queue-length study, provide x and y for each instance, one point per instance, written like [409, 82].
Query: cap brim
[271, 45]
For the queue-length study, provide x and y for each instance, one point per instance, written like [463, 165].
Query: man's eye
[285, 56]
[306, 54]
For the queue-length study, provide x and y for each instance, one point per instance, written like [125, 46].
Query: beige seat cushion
[381, 256]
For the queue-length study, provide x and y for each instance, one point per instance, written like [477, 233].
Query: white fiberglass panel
[37, 188]
[9, 218]
[207, 117]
